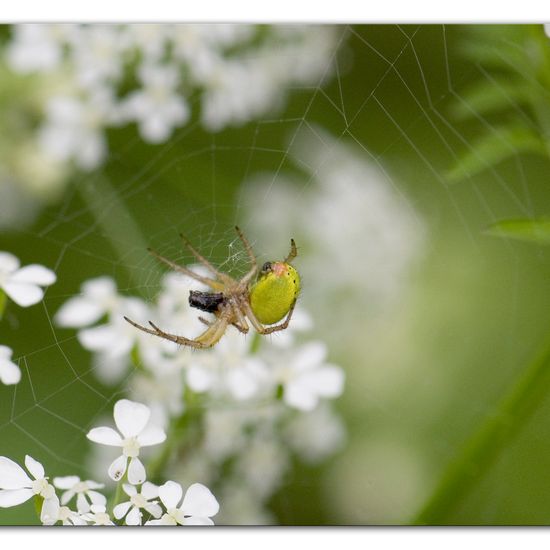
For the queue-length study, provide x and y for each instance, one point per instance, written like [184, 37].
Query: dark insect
[206, 301]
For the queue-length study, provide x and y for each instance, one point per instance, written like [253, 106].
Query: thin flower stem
[488, 442]
[119, 492]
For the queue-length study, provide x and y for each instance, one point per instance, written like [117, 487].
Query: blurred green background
[421, 380]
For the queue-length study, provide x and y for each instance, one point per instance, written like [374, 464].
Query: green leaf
[492, 148]
[488, 442]
[535, 231]
[487, 97]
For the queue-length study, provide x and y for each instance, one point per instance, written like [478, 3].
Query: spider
[266, 301]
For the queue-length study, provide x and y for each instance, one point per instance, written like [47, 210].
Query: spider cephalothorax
[266, 301]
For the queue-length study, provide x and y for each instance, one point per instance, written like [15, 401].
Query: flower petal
[34, 274]
[133, 517]
[120, 510]
[97, 498]
[300, 396]
[8, 262]
[82, 504]
[151, 435]
[105, 436]
[130, 490]
[118, 468]
[35, 468]
[78, 312]
[23, 294]
[100, 338]
[154, 509]
[149, 490]
[10, 373]
[199, 501]
[328, 381]
[136, 471]
[50, 511]
[131, 417]
[170, 493]
[310, 355]
[12, 476]
[14, 497]
[65, 482]
[66, 497]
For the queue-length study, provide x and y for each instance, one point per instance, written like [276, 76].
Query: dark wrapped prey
[206, 301]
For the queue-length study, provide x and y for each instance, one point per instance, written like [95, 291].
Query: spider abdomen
[206, 301]
[274, 293]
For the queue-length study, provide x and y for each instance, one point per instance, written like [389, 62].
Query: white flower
[17, 487]
[98, 515]
[69, 517]
[138, 501]
[198, 505]
[157, 107]
[23, 285]
[73, 129]
[9, 371]
[132, 420]
[228, 368]
[117, 337]
[74, 486]
[99, 297]
[97, 55]
[306, 377]
[34, 47]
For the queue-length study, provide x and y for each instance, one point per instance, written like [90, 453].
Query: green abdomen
[272, 296]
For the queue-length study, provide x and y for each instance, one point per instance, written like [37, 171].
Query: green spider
[264, 302]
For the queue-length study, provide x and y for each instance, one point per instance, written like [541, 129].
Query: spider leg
[268, 330]
[181, 269]
[240, 323]
[253, 262]
[293, 252]
[222, 276]
[205, 321]
[206, 340]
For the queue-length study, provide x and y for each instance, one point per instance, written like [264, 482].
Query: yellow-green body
[274, 293]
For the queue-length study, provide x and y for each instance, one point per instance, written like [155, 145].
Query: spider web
[420, 375]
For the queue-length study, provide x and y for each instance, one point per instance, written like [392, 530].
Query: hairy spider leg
[212, 283]
[293, 252]
[222, 276]
[253, 262]
[240, 327]
[207, 339]
[241, 323]
[268, 330]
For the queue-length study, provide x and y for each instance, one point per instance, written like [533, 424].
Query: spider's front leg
[268, 330]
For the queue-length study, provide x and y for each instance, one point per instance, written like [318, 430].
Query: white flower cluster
[231, 370]
[261, 400]
[112, 75]
[147, 504]
[23, 285]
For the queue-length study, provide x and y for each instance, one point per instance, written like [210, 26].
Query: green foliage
[531, 230]
[515, 67]
[493, 148]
